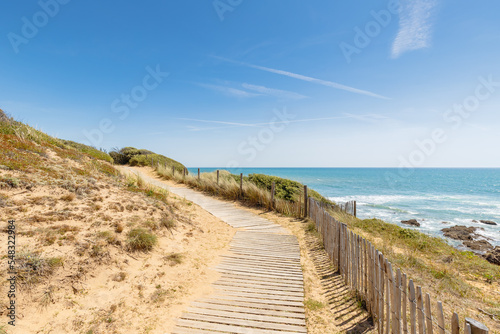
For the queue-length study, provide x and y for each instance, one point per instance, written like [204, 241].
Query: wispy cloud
[228, 90]
[283, 94]
[415, 25]
[306, 78]
[370, 118]
[239, 124]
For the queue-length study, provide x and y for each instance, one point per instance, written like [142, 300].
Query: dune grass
[228, 188]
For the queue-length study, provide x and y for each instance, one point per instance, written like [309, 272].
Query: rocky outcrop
[493, 256]
[412, 222]
[478, 245]
[460, 232]
[488, 222]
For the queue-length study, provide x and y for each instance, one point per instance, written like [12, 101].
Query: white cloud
[415, 26]
[283, 94]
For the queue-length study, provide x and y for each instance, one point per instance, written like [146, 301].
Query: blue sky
[261, 83]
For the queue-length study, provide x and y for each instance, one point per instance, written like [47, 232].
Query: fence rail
[393, 300]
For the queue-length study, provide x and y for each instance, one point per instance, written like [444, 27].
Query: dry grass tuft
[141, 240]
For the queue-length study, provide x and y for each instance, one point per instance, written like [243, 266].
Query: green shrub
[141, 157]
[286, 189]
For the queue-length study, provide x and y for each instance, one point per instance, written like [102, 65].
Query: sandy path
[261, 288]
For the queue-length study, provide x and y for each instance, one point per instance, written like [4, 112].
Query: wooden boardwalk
[261, 289]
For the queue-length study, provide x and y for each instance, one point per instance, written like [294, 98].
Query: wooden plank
[420, 311]
[268, 297]
[267, 280]
[277, 272]
[244, 322]
[440, 316]
[225, 328]
[404, 289]
[291, 269]
[428, 313]
[185, 330]
[259, 285]
[476, 327]
[455, 326]
[258, 300]
[238, 314]
[248, 310]
[262, 291]
[381, 291]
[413, 308]
[388, 284]
[262, 307]
[273, 186]
[259, 274]
[398, 302]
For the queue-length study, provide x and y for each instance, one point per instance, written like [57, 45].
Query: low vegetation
[140, 239]
[254, 191]
[140, 157]
[464, 281]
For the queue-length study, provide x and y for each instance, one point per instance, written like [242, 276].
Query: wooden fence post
[173, 171]
[455, 325]
[198, 174]
[428, 313]
[241, 183]
[355, 209]
[184, 175]
[441, 329]
[217, 177]
[476, 327]
[420, 311]
[305, 201]
[273, 185]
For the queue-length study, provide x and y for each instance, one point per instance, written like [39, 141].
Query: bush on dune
[141, 157]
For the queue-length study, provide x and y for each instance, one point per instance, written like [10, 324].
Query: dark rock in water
[478, 245]
[488, 222]
[412, 222]
[493, 256]
[460, 232]
[445, 223]
[474, 221]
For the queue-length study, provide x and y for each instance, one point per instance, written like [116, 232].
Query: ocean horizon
[435, 197]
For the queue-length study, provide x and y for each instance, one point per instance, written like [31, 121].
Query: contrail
[306, 78]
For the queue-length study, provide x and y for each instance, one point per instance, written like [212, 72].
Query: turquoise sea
[436, 197]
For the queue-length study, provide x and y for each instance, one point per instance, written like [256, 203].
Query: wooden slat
[249, 310]
[455, 325]
[404, 289]
[245, 315]
[420, 311]
[224, 328]
[428, 313]
[413, 308]
[440, 316]
[243, 322]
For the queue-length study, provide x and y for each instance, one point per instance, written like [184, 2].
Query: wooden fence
[394, 302]
[348, 207]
